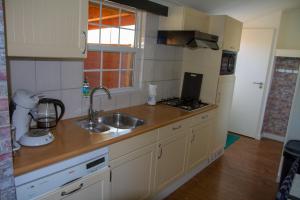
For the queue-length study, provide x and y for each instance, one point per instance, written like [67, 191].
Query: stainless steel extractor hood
[190, 39]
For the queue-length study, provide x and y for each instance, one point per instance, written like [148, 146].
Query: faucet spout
[91, 114]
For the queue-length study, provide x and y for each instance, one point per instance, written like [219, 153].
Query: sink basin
[120, 121]
[93, 127]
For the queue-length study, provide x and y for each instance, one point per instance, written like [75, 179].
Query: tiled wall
[62, 79]
[7, 189]
[281, 95]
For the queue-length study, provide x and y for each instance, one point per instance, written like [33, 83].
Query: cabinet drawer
[203, 117]
[172, 129]
[121, 148]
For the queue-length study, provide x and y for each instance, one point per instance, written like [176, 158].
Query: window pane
[110, 79]
[126, 78]
[93, 60]
[126, 37]
[109, 35]
[128, 19]
[111, 60]
[93, 78]
[110, 16]
[93, 34]
[94, 12]
[127, 60]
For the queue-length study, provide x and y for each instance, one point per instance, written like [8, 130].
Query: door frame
[267, 85]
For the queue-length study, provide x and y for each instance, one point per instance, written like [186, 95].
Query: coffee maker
[44, 112]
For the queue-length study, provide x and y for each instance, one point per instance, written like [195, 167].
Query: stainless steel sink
[120, 121]
[93, 126]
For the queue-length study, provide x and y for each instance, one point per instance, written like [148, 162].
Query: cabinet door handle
[64, 193]
[85, 42]
[193, 138]
[176, 128]
[160, 152]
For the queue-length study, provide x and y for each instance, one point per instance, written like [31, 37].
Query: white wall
[62, 79]
[289, 30]
[206, 62]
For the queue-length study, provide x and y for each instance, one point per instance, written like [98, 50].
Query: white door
[252, 68]
[224, 102]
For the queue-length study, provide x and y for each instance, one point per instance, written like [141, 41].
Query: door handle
[64, 193]
[85, 41]
[161, 151]
[260, 84]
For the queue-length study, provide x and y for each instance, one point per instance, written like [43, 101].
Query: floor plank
[246, 171]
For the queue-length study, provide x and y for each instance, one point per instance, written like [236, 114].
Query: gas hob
[189, 105]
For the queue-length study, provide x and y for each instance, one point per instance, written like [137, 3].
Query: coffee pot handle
[60, 104]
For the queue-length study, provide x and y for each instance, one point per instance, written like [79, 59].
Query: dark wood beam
[145, 5]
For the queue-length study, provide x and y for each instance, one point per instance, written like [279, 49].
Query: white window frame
[136, 74]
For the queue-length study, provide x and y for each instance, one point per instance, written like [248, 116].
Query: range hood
[190, 39]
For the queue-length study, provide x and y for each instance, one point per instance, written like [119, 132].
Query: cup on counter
[152, 94]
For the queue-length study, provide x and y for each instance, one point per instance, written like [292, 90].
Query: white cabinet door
[199, 141]
[232, 34]
[171, 159]
[46, 28]
[224, 101]
[92, 187]
[133, 175]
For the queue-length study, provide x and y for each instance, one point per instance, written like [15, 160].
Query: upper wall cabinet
[183, 18]
[46, 28]
[229, 31]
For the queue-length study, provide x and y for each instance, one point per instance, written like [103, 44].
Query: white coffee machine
[24, 102]
[25, 106]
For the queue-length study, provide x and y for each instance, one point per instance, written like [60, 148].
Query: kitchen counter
[71, 140]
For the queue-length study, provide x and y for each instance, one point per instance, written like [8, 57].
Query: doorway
[280, 98]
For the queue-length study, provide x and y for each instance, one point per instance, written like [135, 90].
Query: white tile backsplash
[72, 74]
[23, 75]
[123, 100]
[48, 75]
[72, 100]
[62, 79]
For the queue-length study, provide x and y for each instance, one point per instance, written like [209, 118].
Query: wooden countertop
[71, 140]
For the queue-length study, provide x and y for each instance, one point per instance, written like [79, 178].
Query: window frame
[136, 49]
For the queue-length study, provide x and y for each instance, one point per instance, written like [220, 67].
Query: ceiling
[243, 10]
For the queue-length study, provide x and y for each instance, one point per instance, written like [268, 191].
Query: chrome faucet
[92, 113]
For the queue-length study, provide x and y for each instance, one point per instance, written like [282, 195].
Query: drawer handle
[161, 151]
[204, 117]
[176, 128]
[68, 193]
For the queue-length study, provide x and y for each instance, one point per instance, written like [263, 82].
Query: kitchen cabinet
[184, 18]
[46, 28]
[224, 101]
[132, 172]
[229, 31]
[92, 187]
[199, 140]
[171, 156]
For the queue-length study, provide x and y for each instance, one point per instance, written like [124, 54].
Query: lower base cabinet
[198, 144]
[170, 160]
[132, 175]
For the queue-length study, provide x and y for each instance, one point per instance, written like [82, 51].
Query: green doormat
[231, 138]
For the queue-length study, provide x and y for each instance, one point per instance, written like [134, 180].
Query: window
[112, 45]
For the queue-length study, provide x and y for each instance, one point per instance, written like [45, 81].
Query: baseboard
[185, 178]
[273, 137]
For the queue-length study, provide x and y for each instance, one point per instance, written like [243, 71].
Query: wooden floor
[247, 171]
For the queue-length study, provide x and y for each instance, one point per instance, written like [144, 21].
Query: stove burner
[189, 105]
